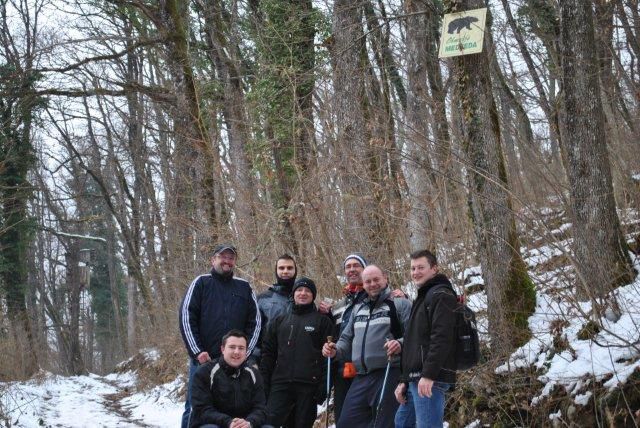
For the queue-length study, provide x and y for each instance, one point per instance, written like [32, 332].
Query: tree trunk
[510, 292]
[599, 247]
[75, 364]
[352, 145]
[420, 182]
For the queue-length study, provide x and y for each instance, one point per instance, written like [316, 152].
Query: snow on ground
[81, 401]
[611, 356]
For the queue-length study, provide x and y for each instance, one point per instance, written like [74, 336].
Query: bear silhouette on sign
[460, 23]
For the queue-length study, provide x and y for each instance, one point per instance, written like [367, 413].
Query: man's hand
[239, 423]
[400, 393]
[324, 307]
[393, 347]
[424, 387]
[203, 357]
[329, 349]
[398, 293]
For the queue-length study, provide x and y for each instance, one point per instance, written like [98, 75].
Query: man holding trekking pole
[292, 364]
[372, 340]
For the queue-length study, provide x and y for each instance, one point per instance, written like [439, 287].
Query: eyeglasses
[229, 257]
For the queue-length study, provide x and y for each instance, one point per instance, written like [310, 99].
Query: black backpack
[467, 342]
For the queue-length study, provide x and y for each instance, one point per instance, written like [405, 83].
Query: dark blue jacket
[212, 306]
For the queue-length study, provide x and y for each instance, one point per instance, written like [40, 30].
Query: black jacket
[428, 349]
[213, 305]
[273, 302]
[292, 347]
[220, 393]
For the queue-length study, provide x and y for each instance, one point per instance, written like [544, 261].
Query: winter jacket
[428, 349]
[213, 305]
[292, 349]
[220, 393]
[273, 302]
[362, 340]
[342, 310]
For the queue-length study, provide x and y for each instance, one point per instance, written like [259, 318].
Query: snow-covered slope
[82, 401]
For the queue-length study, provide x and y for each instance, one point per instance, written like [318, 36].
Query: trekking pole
[384, 384]
[329, 340]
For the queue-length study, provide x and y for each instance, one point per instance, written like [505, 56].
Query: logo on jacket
[309, 328]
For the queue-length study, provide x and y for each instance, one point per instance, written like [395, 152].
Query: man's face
[302, 296]
[285, 269]
[374, 281]
[422, 271]
[224, 262]
[234, 351]
[353, 271]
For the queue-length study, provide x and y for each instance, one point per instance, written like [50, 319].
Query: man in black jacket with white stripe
[227, 392]
[213, 305]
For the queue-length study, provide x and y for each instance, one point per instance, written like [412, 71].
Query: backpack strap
[396, 326]
[438, 287]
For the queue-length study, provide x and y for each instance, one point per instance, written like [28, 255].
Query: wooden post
[131, 314]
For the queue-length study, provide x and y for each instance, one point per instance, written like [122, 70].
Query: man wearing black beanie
[292, 364]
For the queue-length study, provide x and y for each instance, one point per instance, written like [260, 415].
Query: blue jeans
[422, 412]
[193, 366]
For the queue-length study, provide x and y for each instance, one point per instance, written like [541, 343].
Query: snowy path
[92, 400]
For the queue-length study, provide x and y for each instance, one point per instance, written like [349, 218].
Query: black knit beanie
[305, 282]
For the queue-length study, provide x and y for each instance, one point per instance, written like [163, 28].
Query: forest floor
[98, 401]
[578, 369]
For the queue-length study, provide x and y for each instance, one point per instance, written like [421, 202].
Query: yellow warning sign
[462, 33]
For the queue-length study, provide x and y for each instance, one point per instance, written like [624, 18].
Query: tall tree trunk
[599, 247]
[510, 292]
[75, 363]
[224, 53]
[420, 182]
[285, 33]
[349, 63]
[16, 228]
[436, 185]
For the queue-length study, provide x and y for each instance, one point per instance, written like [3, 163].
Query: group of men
[263, 361]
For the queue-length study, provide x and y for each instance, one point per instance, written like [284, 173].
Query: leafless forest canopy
[136, 134]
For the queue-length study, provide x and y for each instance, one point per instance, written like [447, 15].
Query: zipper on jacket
[364, 339]
[290, 335]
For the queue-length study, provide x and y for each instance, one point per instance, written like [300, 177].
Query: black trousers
[292, 402]
[361, 405]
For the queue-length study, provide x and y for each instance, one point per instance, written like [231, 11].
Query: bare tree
[599, 246]
[510, 293]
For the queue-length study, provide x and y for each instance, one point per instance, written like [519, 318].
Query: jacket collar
[228, 369]
[281, 290]
[303, 309]
[380, 298]
[436, 280]
[223, 278]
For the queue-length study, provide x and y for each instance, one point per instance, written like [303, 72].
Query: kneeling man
[226, 392]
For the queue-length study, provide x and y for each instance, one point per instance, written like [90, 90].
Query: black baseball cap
[224, 247]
